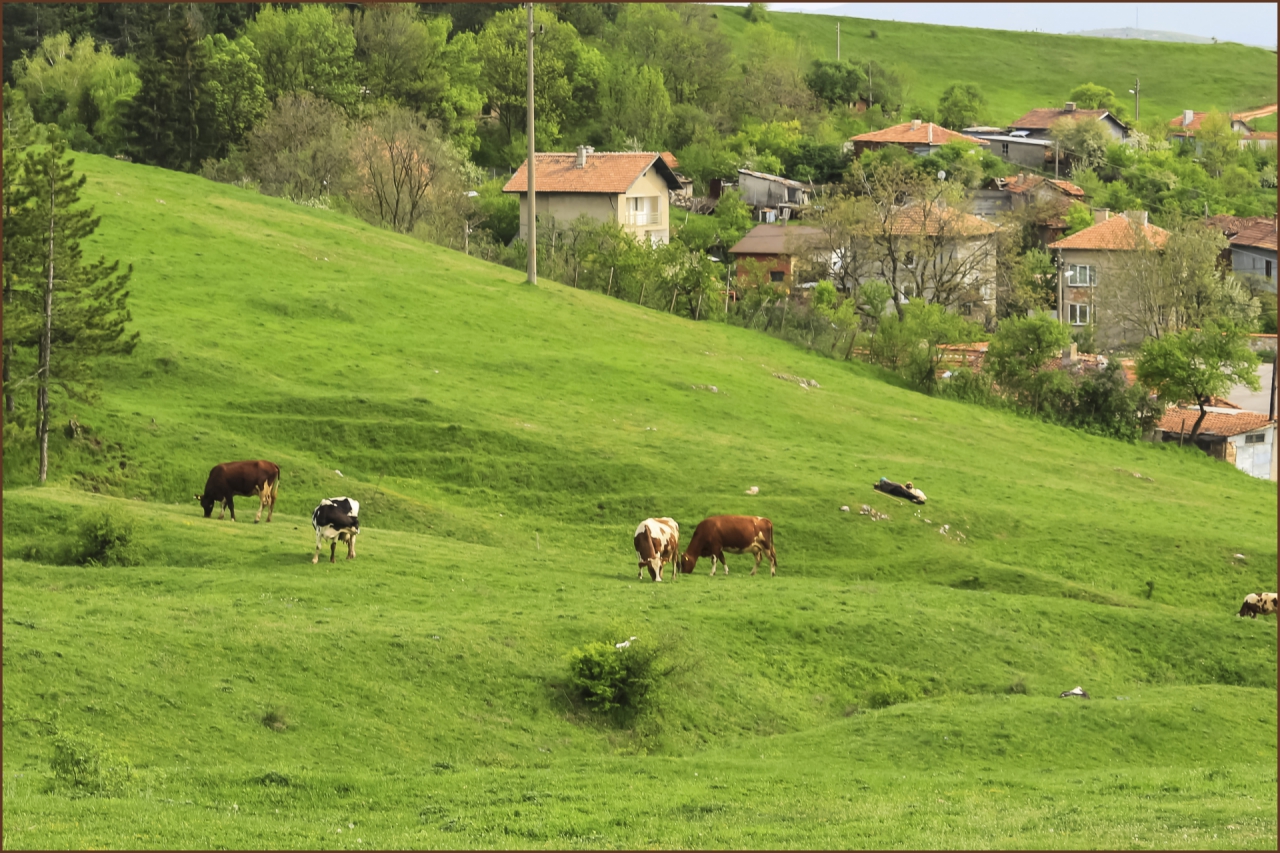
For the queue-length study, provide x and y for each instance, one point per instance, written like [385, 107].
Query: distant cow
[260, 478]
[1255, 603]
[736, 534]
[908, 492]
[657, 543]
[336, 519]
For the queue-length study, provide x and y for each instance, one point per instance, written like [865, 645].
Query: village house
[1036, 123]
[1050, 197]
[1253, 251]
[773, 197]
[686, 184]
[1184, 127]
[629, 188]
[922, 138]
[1241, 438]
[781, 249]
[1018, 148]
[1084, 261]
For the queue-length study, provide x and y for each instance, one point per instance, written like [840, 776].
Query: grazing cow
[1255, 603]
[336, 519]
[737, 534]
[657, 543]
[260, 478]
[908, 492]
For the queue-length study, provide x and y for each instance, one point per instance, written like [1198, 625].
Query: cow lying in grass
[737, 534]
[1258, 602]
[908, 492]
[336, 519]
[657, 543]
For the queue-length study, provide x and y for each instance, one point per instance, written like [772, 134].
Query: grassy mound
[894, 685]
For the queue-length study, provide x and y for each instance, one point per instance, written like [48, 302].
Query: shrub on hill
[610, 680]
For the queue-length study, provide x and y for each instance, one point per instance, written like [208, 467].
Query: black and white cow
[336, 519]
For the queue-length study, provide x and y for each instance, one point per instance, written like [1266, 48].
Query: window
[1268, 263]
[777, 276]
[910, 260]
[643, 211]
[1080, 275]
[1004, 149]
[1256, 438]
[1078, 314]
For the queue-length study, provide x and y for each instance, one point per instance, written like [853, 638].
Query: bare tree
[301, 150]
[402, 165]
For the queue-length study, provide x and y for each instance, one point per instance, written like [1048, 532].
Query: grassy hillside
[894, 685]
[1019, 71]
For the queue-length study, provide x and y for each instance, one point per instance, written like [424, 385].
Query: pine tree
[173, 120]
[72, 313]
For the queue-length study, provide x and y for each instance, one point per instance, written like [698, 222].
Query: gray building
[1017, 147]
[1037, 122]
[763, 191]
[1253, 251]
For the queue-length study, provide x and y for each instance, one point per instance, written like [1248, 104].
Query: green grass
[1020, 71]
[504, 441]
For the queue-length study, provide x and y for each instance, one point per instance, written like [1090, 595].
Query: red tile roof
[1262, 134]
[912, 220]
[1042, 119]
[1215, 423]
[927, 133]
[1114, 234]
[1025, 183]
[1194, 124]
[1230, 225]
[1260, 235]
[605, 172]
[670, 159]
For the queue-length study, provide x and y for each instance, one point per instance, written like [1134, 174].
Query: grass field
[893, 686]
[1020, 71]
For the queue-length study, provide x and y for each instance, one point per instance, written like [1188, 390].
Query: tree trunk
[46, 341]
[1195, 427]
[674, 293]
[697, 311]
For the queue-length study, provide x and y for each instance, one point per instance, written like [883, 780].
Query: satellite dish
[942, 176]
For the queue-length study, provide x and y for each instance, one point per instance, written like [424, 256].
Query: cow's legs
[333, 550]
[262, 501]
[222, 510]
[773, 561]
[759, 554]
[351, 547]
[275, 488]
[231, 505]
[316, 558]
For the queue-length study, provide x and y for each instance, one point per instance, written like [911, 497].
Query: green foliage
[837, 82]
[306, 48]
[501, 211]
[173, 120]
[1090, 96]
[962, 105]
[612, 680]
[757, 13]
[1022, 346]
[1084, 140]
[890, 691]
[236, 88]
[913, 344]
[1196, 364]
[105, 538]
[1078, 217]
[635, 106]
[85, 91]
[81, 764]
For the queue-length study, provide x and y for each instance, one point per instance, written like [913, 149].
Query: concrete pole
[837, 41]
[533, 198]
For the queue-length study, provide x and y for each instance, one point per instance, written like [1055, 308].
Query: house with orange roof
[922, 138]
[940, 254]
[1036, 124]
[1184, 127]
[629, 188]
[1239, 437]
[1253, 251]
[1086, 258]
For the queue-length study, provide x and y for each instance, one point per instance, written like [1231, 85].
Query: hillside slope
[504, 441]
[1020, 71]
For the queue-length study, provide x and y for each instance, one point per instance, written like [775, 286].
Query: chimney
[1138, 217]
[930, 133]
[1188, 116]
[583, 151]
[1069, 354]
[1070, 106]
[1100, 215]
[915, 124]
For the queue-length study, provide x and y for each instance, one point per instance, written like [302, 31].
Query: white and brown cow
[736, 534]
[1258, 602]
[336, 519]
[657, 543]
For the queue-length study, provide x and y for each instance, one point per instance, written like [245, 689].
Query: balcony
[641, 217]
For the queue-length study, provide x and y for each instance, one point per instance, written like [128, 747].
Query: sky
[1246, 23]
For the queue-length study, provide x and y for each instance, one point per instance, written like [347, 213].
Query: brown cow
[259, 478]
[737, 534]
[657, 543]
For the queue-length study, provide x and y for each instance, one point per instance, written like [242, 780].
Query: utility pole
[837, 41]
[533, 204]
[1137, 87]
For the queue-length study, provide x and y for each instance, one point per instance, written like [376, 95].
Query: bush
[80, 763]
[890, 691]
[612, 680]
[105, 538]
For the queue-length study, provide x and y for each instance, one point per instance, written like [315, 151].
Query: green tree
[306, 49]
[961, 105]
[1078, 217]
[684, 42]
[1217, 144]
[1084, 139]
[78, 312]
[173, 120]
[301, 150]
[1090, 96]
[1018, 353]
[85, 91]
[236, 87]
[837, 82]
[1197, 364]
[757, 13]
[635, 105]
[929, 327]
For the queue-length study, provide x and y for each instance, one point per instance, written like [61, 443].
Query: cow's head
[687, 562]
[207, 503]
